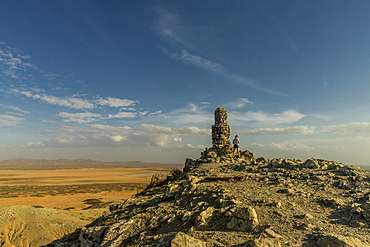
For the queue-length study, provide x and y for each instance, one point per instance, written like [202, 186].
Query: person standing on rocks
[236, 143]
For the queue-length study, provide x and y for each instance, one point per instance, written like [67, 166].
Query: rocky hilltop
[221, 200]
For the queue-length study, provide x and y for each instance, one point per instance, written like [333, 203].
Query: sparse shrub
[160, 179]
[157, 180]
[92, 201]
[70, 208]
[38, 195]
[174, 174]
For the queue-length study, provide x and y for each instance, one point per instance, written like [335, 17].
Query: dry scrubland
[63, 195]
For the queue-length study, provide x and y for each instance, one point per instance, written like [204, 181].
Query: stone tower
[221, 132]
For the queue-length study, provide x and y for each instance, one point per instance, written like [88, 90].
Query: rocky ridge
[225, 201]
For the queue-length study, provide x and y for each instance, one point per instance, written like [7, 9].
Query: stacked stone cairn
[221, 147]
[221, 133]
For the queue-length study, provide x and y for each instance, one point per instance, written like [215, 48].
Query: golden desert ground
[72, 188]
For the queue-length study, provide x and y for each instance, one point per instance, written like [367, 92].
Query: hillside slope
[30, 226]
[241, 202]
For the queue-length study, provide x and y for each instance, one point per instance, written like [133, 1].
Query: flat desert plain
[72, 188]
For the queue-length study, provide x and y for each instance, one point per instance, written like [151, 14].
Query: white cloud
[51, 76]
[105, 135]
[117, 138]
[15, 108]
[76, 102]
[267, 118]
[112, 129]
[116, 102]
[239, 103]
[8, 120]
[122, 115]
[347, 128]
[84, 117]
[155, 113]
[192, 114]
[70, 102]
[355, 127]
[281, 147]
[131, 114]
[295, 130]
[12, 63]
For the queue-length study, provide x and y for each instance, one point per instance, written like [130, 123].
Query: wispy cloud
[295, 130]
[12, 118]
[51, 76]
[355, 127]
[168, 25]
[70, 102]
[106, 135]
[285, 117]
[123, 115]
[76, 102]
[239, 103]
[8, 120]
[199, 62]
[12, 63]
[15, 108]
[116, 102]
[281, 147]
[187, 58]
[84, 117]
[193, 114]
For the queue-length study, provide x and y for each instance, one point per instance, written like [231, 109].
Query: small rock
[205, 216]
[307, 216]
[186, 216]
[270, 233]
[286, 191]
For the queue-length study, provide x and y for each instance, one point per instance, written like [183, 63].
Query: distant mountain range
[39, 164]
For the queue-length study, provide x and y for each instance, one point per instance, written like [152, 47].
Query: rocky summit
[221, 200]
[236, 202]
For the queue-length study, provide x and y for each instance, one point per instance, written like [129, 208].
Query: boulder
[311, 163]
[245, 219]
[339, 241]
[183, 240]
[263, 241]
[268, 238]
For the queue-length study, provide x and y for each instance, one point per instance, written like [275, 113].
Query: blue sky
[140, 80]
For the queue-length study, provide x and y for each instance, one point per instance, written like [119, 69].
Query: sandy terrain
[57, 201]
[75, 201]
[76, 176]
[69, 188]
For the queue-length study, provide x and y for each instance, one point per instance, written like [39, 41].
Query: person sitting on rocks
[236, 143]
